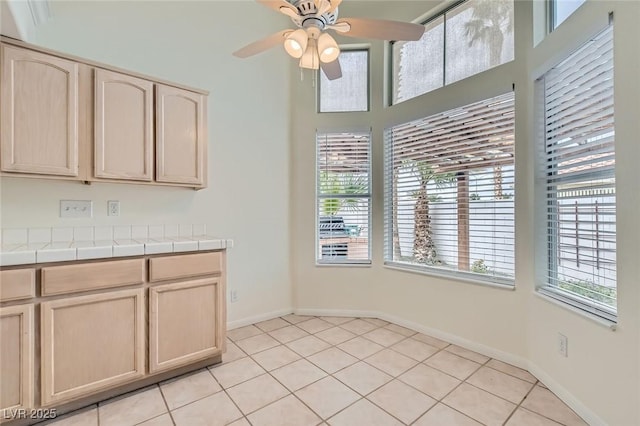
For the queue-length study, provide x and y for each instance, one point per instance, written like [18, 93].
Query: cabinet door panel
[181, 136]
[16, 357]
[184, 321]
[123, 127]
[91, 343]
[39, 113]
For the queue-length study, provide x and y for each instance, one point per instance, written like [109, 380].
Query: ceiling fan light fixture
[310, 59]
[296, 43]
[327, 48]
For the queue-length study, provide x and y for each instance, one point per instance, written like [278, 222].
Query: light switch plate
[76, 208]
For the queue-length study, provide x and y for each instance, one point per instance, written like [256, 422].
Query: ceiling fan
[315, 47]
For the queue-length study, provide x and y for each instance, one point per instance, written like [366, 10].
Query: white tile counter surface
[22, 246]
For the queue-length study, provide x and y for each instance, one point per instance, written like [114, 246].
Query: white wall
[601, 376]
[247, 199]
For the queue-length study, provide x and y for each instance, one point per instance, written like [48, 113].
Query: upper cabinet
[67, 118]
[180, 136]
[123, 145]
[38, 113]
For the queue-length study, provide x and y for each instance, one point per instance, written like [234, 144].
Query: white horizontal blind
[343, 197]
[449, 193]
[578, 177]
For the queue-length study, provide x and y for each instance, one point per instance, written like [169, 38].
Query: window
[343, 197]
[449, 192]
[351, 91]
[559, 10]
[578, 178]
[469, 38]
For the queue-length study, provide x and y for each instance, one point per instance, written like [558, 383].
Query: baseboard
[561, 392]
[257, 318]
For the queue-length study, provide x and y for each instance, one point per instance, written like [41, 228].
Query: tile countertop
[120, 242]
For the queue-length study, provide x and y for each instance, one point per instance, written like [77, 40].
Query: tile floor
[298, 371]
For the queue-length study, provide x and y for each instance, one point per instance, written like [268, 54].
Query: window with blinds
[577, 174]
[449, 193]
[343, 197]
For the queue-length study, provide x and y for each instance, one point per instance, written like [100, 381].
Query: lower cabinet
[90, 343]
[185, 321]
[16, 357]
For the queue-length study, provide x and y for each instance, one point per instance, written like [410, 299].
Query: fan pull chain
[301, 74]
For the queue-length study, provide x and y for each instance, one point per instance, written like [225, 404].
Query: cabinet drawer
[91, 276]
[191, 265]
[17, 284]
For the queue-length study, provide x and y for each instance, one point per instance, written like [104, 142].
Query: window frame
[551, 14]
[368, 196]
[346, 49]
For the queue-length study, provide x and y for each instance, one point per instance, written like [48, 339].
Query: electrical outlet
[563, 345]
[113, 208]
[233, 296]
[76, 208]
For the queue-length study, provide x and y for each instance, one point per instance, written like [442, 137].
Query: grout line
[166, 404]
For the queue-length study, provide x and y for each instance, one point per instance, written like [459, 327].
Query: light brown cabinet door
[38, 113]
[123, 147]
[184, 323]
[16, 357]
[91, 343]
[180, 136]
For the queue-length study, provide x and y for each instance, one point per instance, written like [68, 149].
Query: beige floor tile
[335, 335]
[272, 324]
[308, 345]
[452, 364]
[214, 410]
[288, 411]
[434, 383]
[363, 412]
[524, 417]
[500, 384]
[440, 344]
[360, 347]
[384, 337]
[362, 377]
[84, 418]
[337, 320]
[243, 332]
[288, 334]
[327, 396]
[332, 360]
[257, 343]
[132, 409]
[233, 352]
[511, 370]
[376, 321]
[186, 389]
[402, 401]
[543, 401]
[298, 374]
[358, 326]
[294, 319]
[163, 420]
[400, 330]
[479, 405]
[240, 422]
[441, 415]
[275, 357]
[314, 325]
[414, 349]
[257, 393]
[391, 362]
[466, 353]
[236, 372]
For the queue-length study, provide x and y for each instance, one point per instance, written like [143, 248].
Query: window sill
[504, 284]
[353, 264]
[556, 300]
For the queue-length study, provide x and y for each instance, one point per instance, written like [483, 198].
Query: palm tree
[490, 20]
[342, 184]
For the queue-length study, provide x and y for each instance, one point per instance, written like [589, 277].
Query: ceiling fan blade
[381, 29]
[262, 45]
[332, 70]
[279, 6]
[334, 5]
